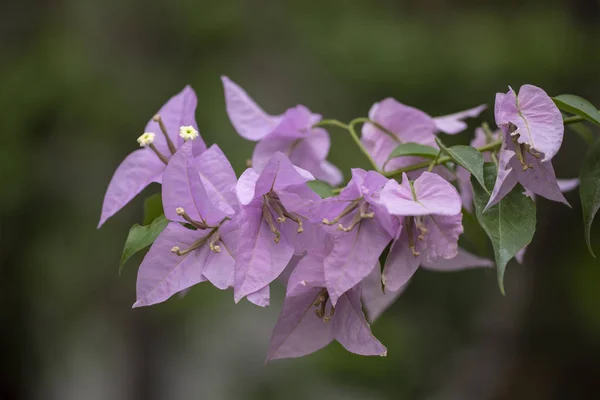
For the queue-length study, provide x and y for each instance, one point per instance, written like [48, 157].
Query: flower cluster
[335, 255]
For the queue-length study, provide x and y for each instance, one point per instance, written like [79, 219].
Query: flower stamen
[351, 207]
[200, 225]
[266, 212]
[157, 118]
[214, 247]
[359, 216]
[408, 225]
[147, 140]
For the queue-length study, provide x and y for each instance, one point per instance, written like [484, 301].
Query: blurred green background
[80, 78]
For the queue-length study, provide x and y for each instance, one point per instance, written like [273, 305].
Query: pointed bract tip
[138, 304]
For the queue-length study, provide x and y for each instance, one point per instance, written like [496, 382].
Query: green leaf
[469, 158]
[589, 189]
[583, 131]
[141, 237]
[578, 106]
[510, 224]
[413, 149]
[153, 208]
[321, 188]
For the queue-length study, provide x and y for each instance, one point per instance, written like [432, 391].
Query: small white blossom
[188, 133]
[146, 139]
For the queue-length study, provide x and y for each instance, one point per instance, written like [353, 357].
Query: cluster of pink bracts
[270, 225]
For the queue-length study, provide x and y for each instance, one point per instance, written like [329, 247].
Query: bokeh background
[80, 78]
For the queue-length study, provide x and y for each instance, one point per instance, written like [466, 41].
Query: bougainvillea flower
[377, 298]
[407, 124]
[309, 321]
[536, 177]
[531, 121]
[171, 126]
[272, 222]
[431, 224]
[533, 131]
[198, 191]
[361, 229]
[291, 133]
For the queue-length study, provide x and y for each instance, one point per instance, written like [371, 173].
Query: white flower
[188, 133]
[146, 139]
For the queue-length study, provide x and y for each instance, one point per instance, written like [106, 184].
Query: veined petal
[432, 195]
[218, 179]
[245, 188]
[329, 173]
[351, 328]
[163, 273]
[400, 265]
[266, 148]
[310, 272]
[248, 119]
[374, 298]
[137, 171]
[408, 124]
[538, 120]
[299, 331]
[299, 199]
[219, 268]
[295, 122]
[453, 123]
[566, 185]
[368, 183]
[540, 179]
[441, 239]
[261, 297]
[279, 174]
[353, 256]
[463, 260]
[259, 260]
[183, 188]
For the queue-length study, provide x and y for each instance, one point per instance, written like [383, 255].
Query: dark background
[80, 78]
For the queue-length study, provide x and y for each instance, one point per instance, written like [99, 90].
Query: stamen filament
[408, 225]
[330, 316]
[519, 152]
[269, 218]
[295, 219]
[200, 225]
[212, 243]
[421, 227]
[351, 207]
[163, 128]
[196, 245]
[160, 155]
[274, 204]
[359, 216]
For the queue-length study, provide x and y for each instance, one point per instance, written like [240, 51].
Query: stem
[573, 120]
[378, 126]
[359, 144]
[435, 160]
[350, 128]
[441, 160]
[163, 128]
[331, 122]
